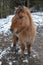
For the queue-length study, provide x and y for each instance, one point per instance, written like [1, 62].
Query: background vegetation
[7, 7]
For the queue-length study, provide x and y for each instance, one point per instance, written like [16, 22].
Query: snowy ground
[6, 41]
[5, 23]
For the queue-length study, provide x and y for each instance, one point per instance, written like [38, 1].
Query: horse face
[20, 21]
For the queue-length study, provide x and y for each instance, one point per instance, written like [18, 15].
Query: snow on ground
[6, 22]
[38, 18]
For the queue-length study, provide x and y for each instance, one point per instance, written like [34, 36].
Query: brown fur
[23, 26]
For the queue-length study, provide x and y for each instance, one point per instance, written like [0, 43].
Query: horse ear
[16, 8]
[21, 7]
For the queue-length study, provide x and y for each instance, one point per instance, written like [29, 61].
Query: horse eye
[20, 17]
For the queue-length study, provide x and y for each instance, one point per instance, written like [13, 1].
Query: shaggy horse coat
[23, 28]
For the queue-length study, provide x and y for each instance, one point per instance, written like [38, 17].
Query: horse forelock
[19, 9]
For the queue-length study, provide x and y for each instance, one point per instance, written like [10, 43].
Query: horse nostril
[11, 30]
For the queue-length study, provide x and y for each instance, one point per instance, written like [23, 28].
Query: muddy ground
[11, 56]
